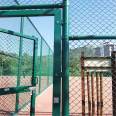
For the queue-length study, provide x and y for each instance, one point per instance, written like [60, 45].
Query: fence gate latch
[32, 88]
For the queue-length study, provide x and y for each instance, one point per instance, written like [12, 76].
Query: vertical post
[101, 94]
[19, 64]
[113, 62]
[40, 67]
[82, 84]
[88, 92]
[65, 61]
[57, 65]
[48, 71]
[92, 93]
[97, 92]
[34, 78]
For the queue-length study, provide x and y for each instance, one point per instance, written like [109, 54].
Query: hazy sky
[86, 17]
[45, 25]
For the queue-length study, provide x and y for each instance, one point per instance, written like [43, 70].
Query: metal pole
[82, 84]
[23, 7]
[97, 92]
[34, 78]
[57, 64]
[92, 93]
[101, 94]
[91, 37]
[40, 74]
[48, 71]
[19, 64]
[113, 62]
[65, 61]
[88, 92]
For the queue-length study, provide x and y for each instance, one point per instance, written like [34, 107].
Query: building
[105, 50]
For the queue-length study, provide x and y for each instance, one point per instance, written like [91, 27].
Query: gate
[38, 78]
[17, 72]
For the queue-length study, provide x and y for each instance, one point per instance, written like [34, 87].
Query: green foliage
[8, 64]
[74, 61]
[27, 64]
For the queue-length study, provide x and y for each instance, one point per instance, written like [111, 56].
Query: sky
[45, 25]
[86, 17]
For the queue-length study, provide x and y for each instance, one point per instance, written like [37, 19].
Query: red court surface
[44, 100]
[44, 103]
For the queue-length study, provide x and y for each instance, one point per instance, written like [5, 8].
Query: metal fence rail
[28, 2]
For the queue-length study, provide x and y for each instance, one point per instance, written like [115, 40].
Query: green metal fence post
[48, 71]
[19, 65]
[34, 78]
[40, 73]
[57, 65]
[65, 61]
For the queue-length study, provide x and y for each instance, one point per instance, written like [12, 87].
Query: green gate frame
[57, 55]
[22, 89]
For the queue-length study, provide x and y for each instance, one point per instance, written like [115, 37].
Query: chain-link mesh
[45, 57]
[91, 77]
[16, 66]
[9, 53]
[45, 79]
[92, 17]
[8, 104]
[9, 70]
[28, 2]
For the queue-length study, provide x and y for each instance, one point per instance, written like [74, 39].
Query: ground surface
[44, 100]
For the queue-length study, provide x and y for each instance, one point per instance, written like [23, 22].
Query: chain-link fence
[94, 17]
[16, 66]
[13, 57]
[91, 82]
[91, 77]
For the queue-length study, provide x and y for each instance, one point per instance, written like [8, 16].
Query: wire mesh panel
[9, 54]
[45, 57]
[16, 66]
[45, 79]
[92, 17]
[8, 104]
[24, 103]
[91, 81]
[27, 62]
[45, 66]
